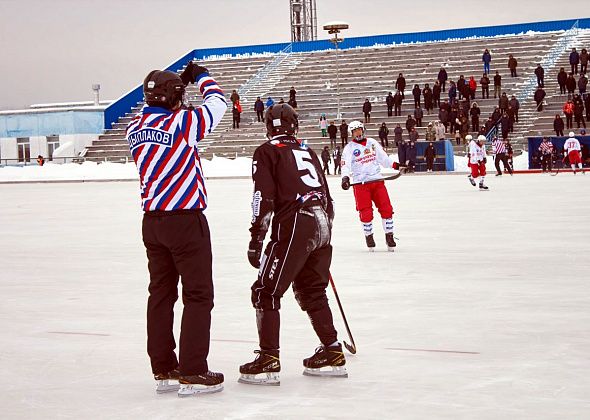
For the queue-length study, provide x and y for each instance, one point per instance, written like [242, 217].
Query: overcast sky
[54, 50]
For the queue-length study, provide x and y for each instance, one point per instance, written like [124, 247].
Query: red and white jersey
[362, 160]
[476, 152]
[163, 144]
[572, 144]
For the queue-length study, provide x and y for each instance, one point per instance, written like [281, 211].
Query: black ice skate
[389, 239]
[204, 383]
[330, 359]
[370, 242]
[264, 370]
[167, 382]
[483, 187]
[471, 180]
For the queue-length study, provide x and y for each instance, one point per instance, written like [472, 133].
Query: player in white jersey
[573, 149]
[477, 160]
[362, 160]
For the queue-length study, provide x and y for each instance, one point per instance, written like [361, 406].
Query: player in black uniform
[289, 182]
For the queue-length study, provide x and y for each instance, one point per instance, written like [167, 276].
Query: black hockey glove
[191, 71]
[345, 183]
[254, 252]
[485, 161]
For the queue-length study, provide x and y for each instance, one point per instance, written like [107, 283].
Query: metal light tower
[304, 25]
[334, 28]
[96, 89]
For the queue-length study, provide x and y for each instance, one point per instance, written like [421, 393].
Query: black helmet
[163, 88]
[281, 119]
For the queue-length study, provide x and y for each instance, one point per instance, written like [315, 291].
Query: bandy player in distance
[362, 159]
[573, 149]
[477, 160]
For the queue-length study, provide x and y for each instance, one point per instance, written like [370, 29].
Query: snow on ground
[482, 311]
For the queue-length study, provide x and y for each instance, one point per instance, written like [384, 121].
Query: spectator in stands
[540, 73]
[281, 101]
[474, 112]
[570, 84]
[510, 113]
[579, 110]
[461, 86]
[584, 61]
[485, 86]
[443, 115]
[235, 97]
[427, 93]
[582, 84]
[40, 160]
[512, 64]
[472, 87]
[496, 114]
[574, 60]
[269, 102]
[539, 97]
[411, 154]
[436, 94]
[561, 79]
[489, 125]
[337, 157]
[452, 93]
[292, 93]
[558, 125]
[430, 155]
[486, 58]
[259, 109]
[397, 104]
[323, 125]
[546, 151]
[236, 115]
[410, 124]
[332, 132]
[453, 119]
[326, 159]
[413, 136]
[293, 102]
[587, 105]
[344, 133]
[400, 84]
[458, 138]
[430, 134]
[383, 133]
[568, 111]
[515, 105]
[401, 153]
[418, 115]
[463, 126]
[442, 78]
[389, 102]
[367, 107]
[497, 84]
[417, 93]
[505, 121]
[397, 134]
[439, 131]
[503, 102]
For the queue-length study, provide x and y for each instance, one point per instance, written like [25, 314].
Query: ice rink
[483, 311]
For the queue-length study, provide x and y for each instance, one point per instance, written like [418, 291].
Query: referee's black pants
[546, 162]
[299, 253]
[178, 244]
[501, 157]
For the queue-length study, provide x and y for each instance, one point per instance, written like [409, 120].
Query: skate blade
[188, 390]
[391, 248]
[167, 385]
[268, 379]
[329, 371]
[372, 249]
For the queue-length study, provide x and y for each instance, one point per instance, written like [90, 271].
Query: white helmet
[353, 126]
[468, 137]
[572, 134]
[481, 137]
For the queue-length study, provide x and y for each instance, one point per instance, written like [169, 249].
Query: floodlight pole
[334, 29]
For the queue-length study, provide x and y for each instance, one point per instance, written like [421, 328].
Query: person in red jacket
[568, 110]
[472, 87]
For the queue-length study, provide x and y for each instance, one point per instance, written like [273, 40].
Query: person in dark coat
[367, 110]
[236, 116]
[587, 106]
[427, 93]
[538, 97]
[411, 154]
[452, 93]
[400, 84]
[497, 84]
[486, 58]
[574, 60]
[235, 97]
[326, 159]
[259, 109]
[474, 112]
[461, 86]
[503, 102]
[582, 84]
[561, 79]
[410, 123]
[397, 104]
[401, 153]
[540, 73]
[430, 155]
[584, 61]
[442, 78]
[344, 133]
[505, 121]
[515, 104]
[413, 136]
[389, 102]
[337, 157]
[496, 114]
[453, 119]
[436, 94]
[332, 132]
[558, 125]
[485, 86]
[397, 135]
[383, 133]
[570, 84]
[512, 64]
[510, 113]
[292, 93]
[418, 115]
[579, 111]
[417, 93]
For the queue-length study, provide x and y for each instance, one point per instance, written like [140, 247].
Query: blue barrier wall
[51, 123]
[558, 142]
[129, 100]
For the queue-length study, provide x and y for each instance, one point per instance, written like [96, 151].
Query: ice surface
[482, 312]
